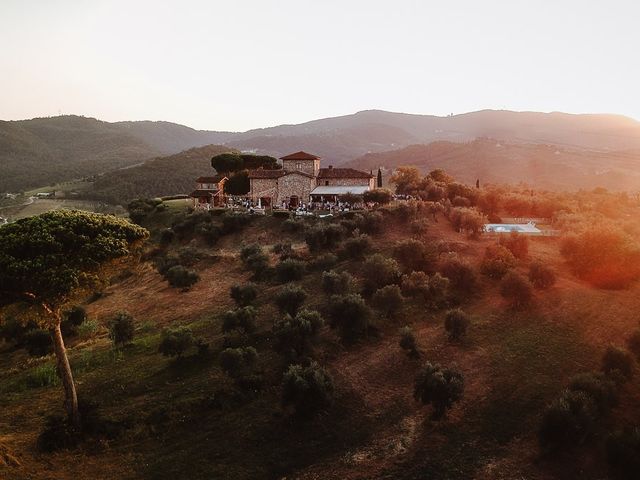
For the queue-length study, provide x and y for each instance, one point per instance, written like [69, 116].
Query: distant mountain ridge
[542, 166]
[43, 151]
[596, 132]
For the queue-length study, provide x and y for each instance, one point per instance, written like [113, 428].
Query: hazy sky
[240, 64]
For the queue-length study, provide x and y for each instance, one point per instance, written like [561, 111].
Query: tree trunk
[64, 370]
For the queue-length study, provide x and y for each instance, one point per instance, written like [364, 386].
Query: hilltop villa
[301, 180]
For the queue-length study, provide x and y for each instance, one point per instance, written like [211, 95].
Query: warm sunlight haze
[319, 240]
[236, 65]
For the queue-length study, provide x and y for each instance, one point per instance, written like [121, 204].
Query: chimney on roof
[330, 167]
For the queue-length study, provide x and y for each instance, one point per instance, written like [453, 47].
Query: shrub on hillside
[142, 208]
[254, 258]
[568, 421]
[617, 360]
[414, 255]
[72, 320]
[602, 390]
[323, 237]
[381, 196]
[295, 335]
[604, 256]
[634, 343]
[369, 222]
[433, 289]
[209, 232]
[290, 270]
[388, 300]
[185, 225]
[186, 256]
[250, 250]
[235, 339]
[623, 453]
[408, 342]
[456, 323]
[337, 283]
[415, 284]
[439, 387]
[293, 226]
[176, 341]
[458, 201]
[308, 389]
[379, 271]
[13, 330]
[284, 250]
[121, 329]
[438, 288]
[468, 220]
[243, 319]
[182, 277]
[419, 227]
[290, 298]
[350, 315]
[516, 290]
[541, 275]
[356, 247]
[517, 244]
[38, 342]
[460, 274]
[232, 223]
[497, 261]
[244, 295]
[238, 361]
[406, 211]
[323, 262]
[167, 236]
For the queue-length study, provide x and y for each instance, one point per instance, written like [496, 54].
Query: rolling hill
[170, 175]
[43, 151]
[342, 138]
[544, 166]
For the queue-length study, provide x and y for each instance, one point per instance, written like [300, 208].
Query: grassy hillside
[186, 418]
[493, 161]
[171, 175]
[44, 151]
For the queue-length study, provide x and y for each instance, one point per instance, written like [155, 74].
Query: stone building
[209, 192]
[301, 180]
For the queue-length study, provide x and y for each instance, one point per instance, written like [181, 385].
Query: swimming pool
[529, 228]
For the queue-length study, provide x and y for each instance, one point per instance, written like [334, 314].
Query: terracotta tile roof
[215, 179]
[300, 156]
[262, 173]
[201, 193]
[342, 173]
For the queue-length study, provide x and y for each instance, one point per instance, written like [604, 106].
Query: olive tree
[50, 261]
[439, 387]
